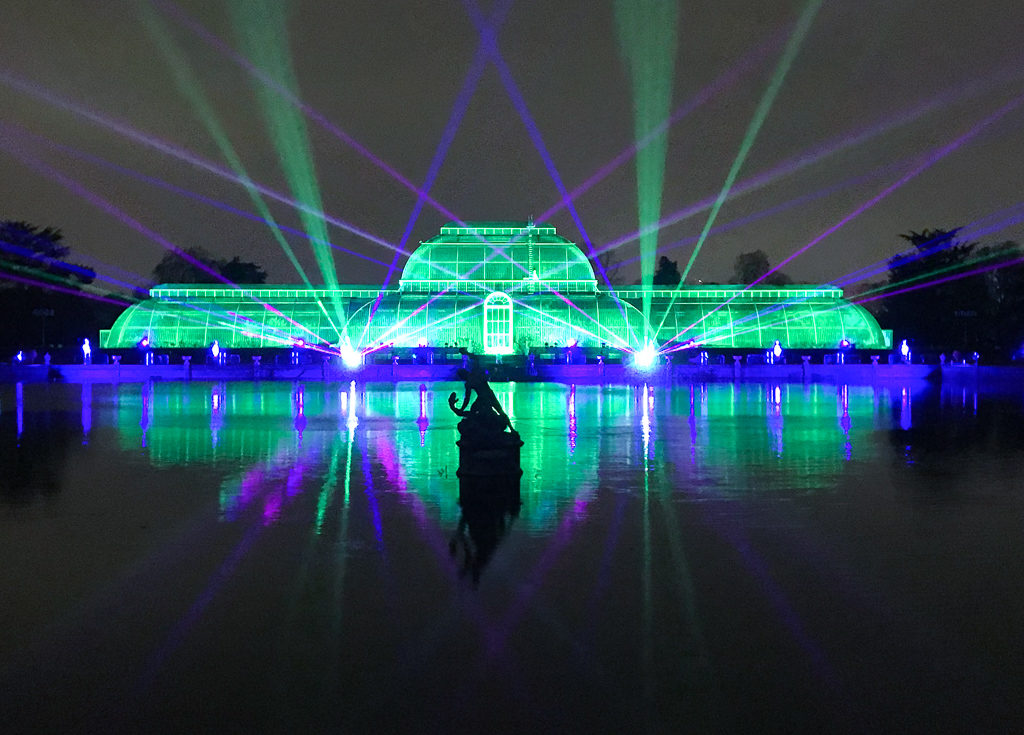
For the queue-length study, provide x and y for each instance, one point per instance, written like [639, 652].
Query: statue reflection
[489, 472]
[489, 506]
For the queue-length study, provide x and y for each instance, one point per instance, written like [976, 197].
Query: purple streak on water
[432, 537]
[371, 501]
[497, 642]
[155, 663]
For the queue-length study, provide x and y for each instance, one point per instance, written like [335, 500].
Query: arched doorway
[498, 324]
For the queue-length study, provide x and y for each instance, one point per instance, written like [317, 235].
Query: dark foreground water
[722, 558]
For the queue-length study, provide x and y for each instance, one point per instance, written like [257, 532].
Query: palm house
[499, 288]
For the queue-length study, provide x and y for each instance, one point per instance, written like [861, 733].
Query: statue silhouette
[485, 418]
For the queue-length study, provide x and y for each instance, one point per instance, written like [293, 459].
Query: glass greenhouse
[498, 288]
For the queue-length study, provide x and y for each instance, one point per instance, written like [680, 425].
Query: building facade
[499, 288]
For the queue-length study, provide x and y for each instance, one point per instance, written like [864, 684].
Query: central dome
[497, 256]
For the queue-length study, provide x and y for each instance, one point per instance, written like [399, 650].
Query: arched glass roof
[554, 301]
[505, 256]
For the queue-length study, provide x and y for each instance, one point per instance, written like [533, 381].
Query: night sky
[885, 83]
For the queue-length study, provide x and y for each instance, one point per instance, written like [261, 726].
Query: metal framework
[500, 288]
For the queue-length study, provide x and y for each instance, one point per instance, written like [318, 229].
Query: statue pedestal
[488, 454]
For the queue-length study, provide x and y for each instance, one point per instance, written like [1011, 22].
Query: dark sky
[915, 74]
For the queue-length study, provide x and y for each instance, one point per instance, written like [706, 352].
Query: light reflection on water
[722, 438]
[723, 552]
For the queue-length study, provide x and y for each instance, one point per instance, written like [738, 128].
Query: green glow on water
[793, 46]
[327, 490]
[261, 27]
[647, 39]
[188, 84]
[788, 437]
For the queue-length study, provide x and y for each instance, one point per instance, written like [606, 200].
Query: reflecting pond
[277, 557]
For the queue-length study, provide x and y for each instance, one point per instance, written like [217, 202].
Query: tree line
[942, 294]
[50, 303]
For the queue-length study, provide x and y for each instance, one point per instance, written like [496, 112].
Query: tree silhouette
[611, 262]
[39, 293]
[749, 267]
[978, 312]
[667, 273]
[932, 317]
[27, 251]
[242, 271]
[174, 268]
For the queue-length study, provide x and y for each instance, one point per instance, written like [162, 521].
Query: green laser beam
[647, 40]
[188, 84]
[793, 46]
[261, 28]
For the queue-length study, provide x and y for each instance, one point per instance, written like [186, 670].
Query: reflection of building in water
[700, 434]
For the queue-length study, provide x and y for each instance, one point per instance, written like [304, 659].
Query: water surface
[282, 557]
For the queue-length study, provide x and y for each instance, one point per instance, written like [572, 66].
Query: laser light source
[216, 353]
[350, 357]
[644, 358]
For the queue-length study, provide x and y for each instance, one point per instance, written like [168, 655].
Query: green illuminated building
[499, 288]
